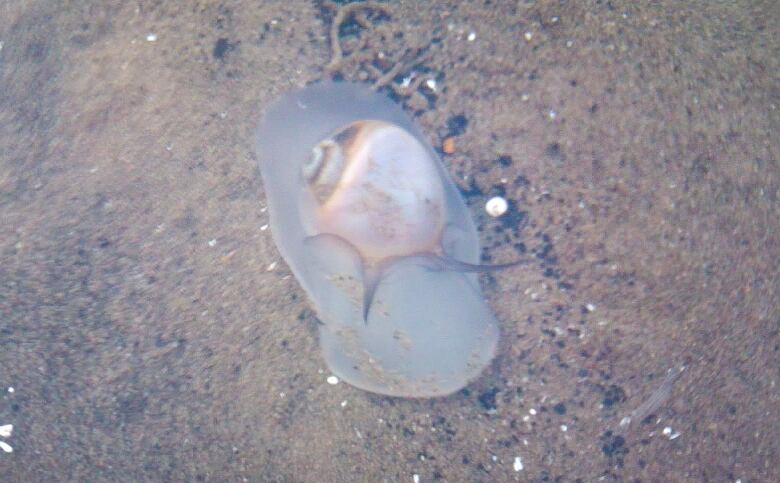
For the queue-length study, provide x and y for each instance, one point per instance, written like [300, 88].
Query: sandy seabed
[149, 330]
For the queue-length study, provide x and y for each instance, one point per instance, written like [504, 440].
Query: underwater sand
[151, 332]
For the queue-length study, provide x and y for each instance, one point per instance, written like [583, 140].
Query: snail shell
[378, 188]
[365, 215]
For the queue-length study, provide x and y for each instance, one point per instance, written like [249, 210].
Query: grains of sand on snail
[496, 206]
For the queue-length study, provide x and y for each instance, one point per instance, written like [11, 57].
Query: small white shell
[496, 206]
[429, 331]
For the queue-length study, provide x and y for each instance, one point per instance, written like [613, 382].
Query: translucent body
[430, 331]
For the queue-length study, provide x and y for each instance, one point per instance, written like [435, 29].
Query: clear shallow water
[151, 331]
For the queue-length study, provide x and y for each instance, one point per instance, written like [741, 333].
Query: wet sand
[151, 332]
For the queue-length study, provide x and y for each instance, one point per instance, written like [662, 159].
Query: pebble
[518, 464]
[448, 145]
[332, 380]
[670, 433]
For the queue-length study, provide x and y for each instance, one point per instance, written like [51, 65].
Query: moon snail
[378, 236]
